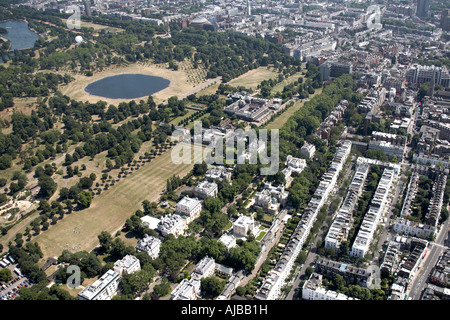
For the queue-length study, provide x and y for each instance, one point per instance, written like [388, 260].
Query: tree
[212, 286]
[136, 282]
[85, 198]
[162, 289]
[200, 168]
[109, 165]
[5, 275]
[105, 240]
[47, 186]
[213, 205]
[339, 282]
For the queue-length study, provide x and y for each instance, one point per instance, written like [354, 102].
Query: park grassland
[253, 78]
[279, 121]
[109, 210]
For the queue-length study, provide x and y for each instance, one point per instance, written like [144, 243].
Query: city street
[435, 250]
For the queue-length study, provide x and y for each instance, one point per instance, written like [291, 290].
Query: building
[293, 165]
[271, 198]
[189, 208]
[351, 274]
[308, 149]
[313, 290]
[334, 69]
[250, 109]
[389, 149]
[378, 206]
[343, 222]
[219, 172]
[243, 225]
[102, 289]
[206, 189]
[228, 240]
[423, 8]
[419, 74]
[204, 268]
[172, 224]
[127, 265]
[275, 279]
[186, 290]
[149, 244]
[445, 20]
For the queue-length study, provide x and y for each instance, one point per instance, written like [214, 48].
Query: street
[435, 250]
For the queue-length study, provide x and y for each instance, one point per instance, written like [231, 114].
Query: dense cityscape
[351, 99]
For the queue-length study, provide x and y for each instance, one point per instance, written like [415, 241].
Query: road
[263, 256]
[435, 250]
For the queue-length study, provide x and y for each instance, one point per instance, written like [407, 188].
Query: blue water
[127, 86]
[19, 34]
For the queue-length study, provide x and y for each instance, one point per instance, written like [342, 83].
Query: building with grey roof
[102, 289]
[127, 265]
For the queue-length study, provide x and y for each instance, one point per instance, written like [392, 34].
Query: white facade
[378, 206]
[228, 240]
[242, 225]
[149, 244]
[172, 224]
[411, 228]
[206, 189]
[186, 290]
[204, 268]
[308, 149]
[127, 265]
[189, 208]
[312, 290]
[102, 289]
[275, 280]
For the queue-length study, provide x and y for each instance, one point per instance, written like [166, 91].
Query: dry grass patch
[109, 210]
[253, 78]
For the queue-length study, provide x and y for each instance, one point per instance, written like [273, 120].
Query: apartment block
[343, 221]
[102, 289]
[313, 290]
[377, 208]
[351, 274]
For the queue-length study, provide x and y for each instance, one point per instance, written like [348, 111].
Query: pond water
[127, 86]
[19, 34]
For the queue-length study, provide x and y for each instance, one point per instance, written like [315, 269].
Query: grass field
[281, 120]
[280, 86]
[109, 210]
[252, 78]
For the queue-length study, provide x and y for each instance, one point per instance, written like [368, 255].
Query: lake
[127, 86]
[19, 34]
